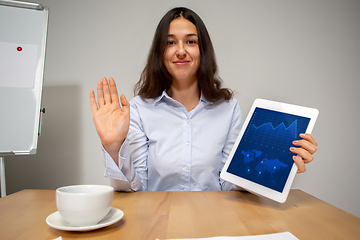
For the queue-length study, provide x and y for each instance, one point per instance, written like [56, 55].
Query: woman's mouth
[181, 62]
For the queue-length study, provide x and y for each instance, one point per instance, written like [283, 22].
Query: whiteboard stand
[23, 28]
[2, 174]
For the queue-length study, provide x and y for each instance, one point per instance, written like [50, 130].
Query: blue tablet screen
[263, 154]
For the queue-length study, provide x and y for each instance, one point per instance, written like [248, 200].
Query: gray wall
[301, 52]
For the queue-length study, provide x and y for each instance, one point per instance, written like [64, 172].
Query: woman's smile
[181, 62]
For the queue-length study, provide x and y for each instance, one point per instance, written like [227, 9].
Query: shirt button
[132, 183]
[187, 121]
[186, 167]
[184, 190]
[187, 143]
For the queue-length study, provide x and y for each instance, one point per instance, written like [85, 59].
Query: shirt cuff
[122, 177]
[227, 186]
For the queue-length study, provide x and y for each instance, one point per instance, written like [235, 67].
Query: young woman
[178, 132]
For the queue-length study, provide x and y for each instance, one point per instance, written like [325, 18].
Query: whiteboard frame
[39, 77]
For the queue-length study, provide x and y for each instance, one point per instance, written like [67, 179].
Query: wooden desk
[151, 215]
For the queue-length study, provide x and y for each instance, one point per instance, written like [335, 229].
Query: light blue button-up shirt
[170, 149]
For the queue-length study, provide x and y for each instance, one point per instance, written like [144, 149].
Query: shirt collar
[159, 98]
[164, 95]
[203, 99]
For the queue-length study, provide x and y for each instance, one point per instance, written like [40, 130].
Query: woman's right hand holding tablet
[110, 118]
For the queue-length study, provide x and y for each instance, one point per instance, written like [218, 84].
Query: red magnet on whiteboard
[19, 49]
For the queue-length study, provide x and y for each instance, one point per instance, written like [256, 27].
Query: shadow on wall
[57, 161]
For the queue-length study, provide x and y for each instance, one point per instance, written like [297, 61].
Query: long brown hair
[155, 78]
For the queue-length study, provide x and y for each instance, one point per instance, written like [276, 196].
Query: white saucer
[55, 221]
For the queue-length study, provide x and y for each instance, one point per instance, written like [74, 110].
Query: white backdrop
[301, 52]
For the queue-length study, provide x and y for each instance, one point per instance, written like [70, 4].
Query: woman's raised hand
[110, 118]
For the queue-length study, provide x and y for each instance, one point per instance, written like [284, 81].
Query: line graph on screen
[268, 134]
[273, 128]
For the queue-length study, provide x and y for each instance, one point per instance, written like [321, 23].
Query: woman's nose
[181, 52]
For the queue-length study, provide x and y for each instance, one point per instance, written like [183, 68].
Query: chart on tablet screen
[263, 155]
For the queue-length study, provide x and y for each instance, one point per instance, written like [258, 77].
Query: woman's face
[182, 55]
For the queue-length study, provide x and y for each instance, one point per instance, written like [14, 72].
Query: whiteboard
[23, 32]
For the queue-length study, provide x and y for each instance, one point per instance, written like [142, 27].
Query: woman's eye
[170, 42]
[192, 42]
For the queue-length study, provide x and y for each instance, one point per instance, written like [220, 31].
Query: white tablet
[261, 161]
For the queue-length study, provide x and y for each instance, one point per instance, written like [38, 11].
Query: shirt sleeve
[131, 174]
[232, 135]
[122, 177]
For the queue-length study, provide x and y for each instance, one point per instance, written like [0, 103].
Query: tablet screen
[263, 154]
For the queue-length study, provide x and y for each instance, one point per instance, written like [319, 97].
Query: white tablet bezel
[256, 188]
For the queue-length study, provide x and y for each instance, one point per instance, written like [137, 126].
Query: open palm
[110, 118]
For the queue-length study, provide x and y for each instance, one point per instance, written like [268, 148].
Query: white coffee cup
[84, 205]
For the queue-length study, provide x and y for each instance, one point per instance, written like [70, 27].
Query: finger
[113, 90]
[305, 144]
[309, 137]
[93, 104]
[107, 96]
[125, 104]
[302, 153]
[100, 93]
[300, 164]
